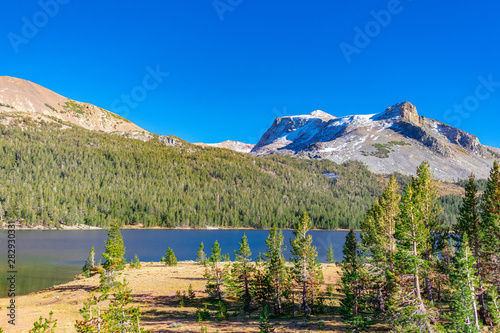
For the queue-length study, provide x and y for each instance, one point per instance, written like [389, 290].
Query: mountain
[24, 98]
[238, 146]
[396, 140]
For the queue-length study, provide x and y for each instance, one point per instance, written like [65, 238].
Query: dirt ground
[154, 286]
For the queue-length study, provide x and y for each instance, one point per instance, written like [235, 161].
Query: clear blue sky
[234, 68]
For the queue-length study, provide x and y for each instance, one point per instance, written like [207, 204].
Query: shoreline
[85, 227]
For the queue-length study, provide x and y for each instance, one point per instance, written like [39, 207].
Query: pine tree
[215, 273]
[117, 317]
[491, 219]
[330, 258]
[378, 242]
[135, 263]
[275, 271]
[242, 274]
[430, 210]
[170, 259]
[305, 259]
[491, 197]
[201, 257]
[113, 255]
[350, 285]
[464, 282]
[494, 308]
[470, 225]
[413, 235]
[89, 263]
[264, 323]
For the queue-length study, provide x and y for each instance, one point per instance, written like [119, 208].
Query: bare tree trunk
[380, 299]
[428, 289]
[305, 306]
[278, 296]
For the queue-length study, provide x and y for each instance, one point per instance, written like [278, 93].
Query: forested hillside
[53, 176]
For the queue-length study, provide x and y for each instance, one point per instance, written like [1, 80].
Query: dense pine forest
[55, 176]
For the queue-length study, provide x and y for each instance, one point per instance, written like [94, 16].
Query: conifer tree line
[415, 274]
[268, 282]
[53, 176]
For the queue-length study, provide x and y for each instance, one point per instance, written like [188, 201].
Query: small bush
[202, 315]
[135, 263]
[44, 325]
[221, 313]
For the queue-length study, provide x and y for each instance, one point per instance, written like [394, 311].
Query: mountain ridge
[372, 138]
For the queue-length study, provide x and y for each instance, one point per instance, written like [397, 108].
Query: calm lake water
[47, 258]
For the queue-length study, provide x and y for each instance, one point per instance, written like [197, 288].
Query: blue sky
[235, 65]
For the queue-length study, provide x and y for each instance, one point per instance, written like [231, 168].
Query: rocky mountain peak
[404, 111]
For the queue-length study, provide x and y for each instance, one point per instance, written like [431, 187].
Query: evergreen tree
[117, 317]
[330, 258]
[135, 263]
[113, 255]
[305, 259]
[494, 308]
[215, 273]
[201, 257]
[427, 203]
[242, 274]
[275, 270]
[379, 244]
[464, 282]
[89, 263]
[491, 219]
[264, 323]
[413, 237]
[350, 285]
[170, 259]
[470, 225]
[491, 197]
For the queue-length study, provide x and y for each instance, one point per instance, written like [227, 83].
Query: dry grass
[154, 287]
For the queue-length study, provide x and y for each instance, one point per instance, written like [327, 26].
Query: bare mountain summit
[21, 97]
[397, 139]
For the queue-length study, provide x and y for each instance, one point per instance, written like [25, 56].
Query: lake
[46, 258]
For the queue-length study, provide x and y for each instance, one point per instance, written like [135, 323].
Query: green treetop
[305, 259]
[170, 259]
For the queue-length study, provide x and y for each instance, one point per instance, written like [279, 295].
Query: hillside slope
[19, 96]
[53, 176]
